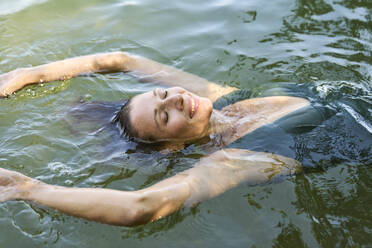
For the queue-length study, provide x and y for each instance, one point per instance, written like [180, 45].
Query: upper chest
[250, 114]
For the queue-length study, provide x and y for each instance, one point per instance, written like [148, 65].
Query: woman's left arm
[210, 177]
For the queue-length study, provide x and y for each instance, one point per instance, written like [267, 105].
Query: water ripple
[10, 7]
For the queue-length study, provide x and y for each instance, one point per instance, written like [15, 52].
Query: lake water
[318, 49]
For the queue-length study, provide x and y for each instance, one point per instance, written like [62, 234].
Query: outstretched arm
[210, 177]
[170, 76]
[110, 62]
[62, 70]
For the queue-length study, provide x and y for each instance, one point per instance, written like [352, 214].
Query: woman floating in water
[175, 116]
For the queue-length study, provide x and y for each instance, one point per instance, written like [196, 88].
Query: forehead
[142, 114]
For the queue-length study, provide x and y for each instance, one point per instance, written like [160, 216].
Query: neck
[220, 123]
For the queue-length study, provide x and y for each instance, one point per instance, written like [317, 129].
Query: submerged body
[175, 116]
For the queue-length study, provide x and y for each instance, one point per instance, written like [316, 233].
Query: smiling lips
[194, 105]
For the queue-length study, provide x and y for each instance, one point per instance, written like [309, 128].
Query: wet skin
[170, 114]
[173, 114]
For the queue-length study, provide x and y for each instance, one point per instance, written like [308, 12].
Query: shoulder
[282, 101]
[273, 105]
[256, 112]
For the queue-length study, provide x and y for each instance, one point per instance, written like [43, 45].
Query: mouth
[194, 105]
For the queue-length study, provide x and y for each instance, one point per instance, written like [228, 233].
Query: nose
[174, 101]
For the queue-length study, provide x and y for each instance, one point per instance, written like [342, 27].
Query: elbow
[120, 61]
[138, 213]
[149, 210]
[138, 217]
[151, 204]
[111, 62]
[127, 218]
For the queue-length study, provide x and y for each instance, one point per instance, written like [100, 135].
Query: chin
[207, 107]
[204, 119]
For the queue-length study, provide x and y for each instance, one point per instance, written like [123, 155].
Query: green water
[318, 49]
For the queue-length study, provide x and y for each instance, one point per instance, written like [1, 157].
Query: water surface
[318, 49]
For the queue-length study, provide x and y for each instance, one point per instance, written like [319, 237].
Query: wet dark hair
[122, 119]
[112, 123]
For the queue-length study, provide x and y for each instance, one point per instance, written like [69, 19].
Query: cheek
[204, 115]
[178, 127]
[183, 129]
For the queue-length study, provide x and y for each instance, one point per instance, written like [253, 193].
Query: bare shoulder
[273, 105]
[271, 101]
[253, 113]
[287, 101]
[279, 106]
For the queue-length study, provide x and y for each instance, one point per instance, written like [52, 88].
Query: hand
[14, 185]
[12, 81]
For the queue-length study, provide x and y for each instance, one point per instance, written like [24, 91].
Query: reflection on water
[318, 49]
[339, 215]
[335, 202]
[9, 7]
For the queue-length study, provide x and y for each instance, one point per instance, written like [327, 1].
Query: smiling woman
[175, 115]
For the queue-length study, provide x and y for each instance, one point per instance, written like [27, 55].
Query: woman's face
[170, 114]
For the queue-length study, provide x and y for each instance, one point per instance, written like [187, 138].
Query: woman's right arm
[110, 62]
[210, 177]
[114, 207]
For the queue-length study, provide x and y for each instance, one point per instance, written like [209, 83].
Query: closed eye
[165, 117]
[165, 94]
